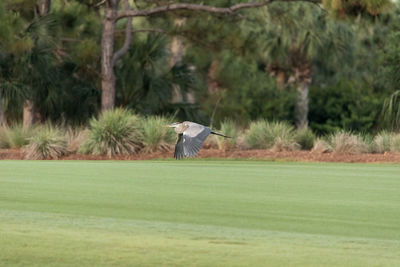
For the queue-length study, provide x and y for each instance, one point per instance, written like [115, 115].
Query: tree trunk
[2, 118]
[303, 88]
[107, 53]
[177, 47]
[177, 50]
[29, 112]
[43, 7]
[212, 85]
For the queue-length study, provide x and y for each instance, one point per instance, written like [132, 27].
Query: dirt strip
[235, 154]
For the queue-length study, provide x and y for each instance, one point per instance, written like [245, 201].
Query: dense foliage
[246, 67]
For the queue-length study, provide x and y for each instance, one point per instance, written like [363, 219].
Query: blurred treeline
[330, 65]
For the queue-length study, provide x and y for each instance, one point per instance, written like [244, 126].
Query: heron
[191, 136]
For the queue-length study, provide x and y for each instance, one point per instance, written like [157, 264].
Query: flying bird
[191, 136]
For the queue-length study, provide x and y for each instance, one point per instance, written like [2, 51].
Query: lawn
[198, 213]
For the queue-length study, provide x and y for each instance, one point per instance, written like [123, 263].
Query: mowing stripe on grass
[200, 206]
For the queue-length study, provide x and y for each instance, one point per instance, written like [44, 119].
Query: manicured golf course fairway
[198, 213]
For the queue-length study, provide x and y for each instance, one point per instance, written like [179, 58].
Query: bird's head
[174, 125]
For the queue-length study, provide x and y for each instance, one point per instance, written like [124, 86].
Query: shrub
[344, 105]
[228, 128]
[251, 95]
[75, 138]
[14, 137]
[241, 141]
[155, 135]
[276, 135]
[321, 146]
[395, 146]
[47, 142]
[258, 135]
[283, 136]
[369, 142]
[305, 138]
[346, 142]
[210, 142]
[386, 142]
[4, 141]
[115, 132]
[382, 142]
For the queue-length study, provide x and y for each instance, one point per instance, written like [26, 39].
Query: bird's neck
[180, 129]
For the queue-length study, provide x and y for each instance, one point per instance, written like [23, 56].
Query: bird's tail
[220, 135]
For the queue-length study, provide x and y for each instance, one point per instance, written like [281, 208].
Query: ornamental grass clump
[283, 135]
[155, 135]
[382, 142]
[305, 138]
[47, 142]
[14, 137]
[347, 143]
[368, 140]
[321, 146]
[258, 135]
[275, 135]
[395, 146]
[386, 142]
[210, 142]
[228, 128]
[4, 141]
[115, 132]
[76, 138]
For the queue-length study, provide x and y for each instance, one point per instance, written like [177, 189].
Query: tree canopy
[329, 65]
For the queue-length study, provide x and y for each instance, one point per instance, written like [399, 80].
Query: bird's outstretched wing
[179, 153]
[193, 138]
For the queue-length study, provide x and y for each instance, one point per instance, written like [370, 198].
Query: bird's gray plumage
[190, 138]
[179, 153]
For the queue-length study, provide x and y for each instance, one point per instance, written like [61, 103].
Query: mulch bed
[235, 154]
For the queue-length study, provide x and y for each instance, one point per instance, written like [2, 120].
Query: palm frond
[391, 111]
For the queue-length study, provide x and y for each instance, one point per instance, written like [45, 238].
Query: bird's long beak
[168, 125]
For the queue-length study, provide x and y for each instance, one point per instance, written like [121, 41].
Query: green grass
[198, 213]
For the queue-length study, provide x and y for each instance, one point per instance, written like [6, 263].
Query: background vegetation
[332, 66]
[120, 132]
